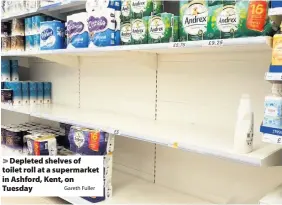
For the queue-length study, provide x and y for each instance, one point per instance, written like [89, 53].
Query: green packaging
[125, 11]
[160, 28]
[214, 2]
[193, 20]
[250, 24]
[139, 30]
[125, 33]
[224, 22]
[141, 8]
[240, 19]
[175, 29]
[158, 7]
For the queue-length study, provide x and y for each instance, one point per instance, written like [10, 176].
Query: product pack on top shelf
[117, 22]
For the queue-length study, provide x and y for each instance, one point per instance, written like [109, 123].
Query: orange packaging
[257, 15]
[94, 141]
[36, 148]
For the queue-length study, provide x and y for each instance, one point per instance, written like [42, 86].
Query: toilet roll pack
[103, 22]
[77, 32]
[101, 27]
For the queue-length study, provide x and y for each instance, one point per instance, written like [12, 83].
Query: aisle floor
[32, 200]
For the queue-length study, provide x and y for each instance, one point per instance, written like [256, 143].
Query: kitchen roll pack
[77, 31]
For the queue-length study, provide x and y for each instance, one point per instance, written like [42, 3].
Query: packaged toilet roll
[95, 5]
[77, 32]
[41, 145]
[101, 28]
[90, 142]
[117, 31]
[52, 35]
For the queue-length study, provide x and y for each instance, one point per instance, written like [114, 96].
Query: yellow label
[277, 50]
[175, 145]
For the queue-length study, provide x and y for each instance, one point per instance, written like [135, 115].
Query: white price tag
[273, 76]
[116, 132]
[179, 45]
[274, 139]
[214, 43]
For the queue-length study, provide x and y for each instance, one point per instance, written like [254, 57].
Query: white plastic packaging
[243, 137]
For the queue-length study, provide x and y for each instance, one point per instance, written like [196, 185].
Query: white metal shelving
[122, 89]
[130, 189]
[209, 141]
[66, 56]
[274, 197]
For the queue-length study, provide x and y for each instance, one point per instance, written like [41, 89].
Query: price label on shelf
[273, 76]
[213, 43]
[179, 45]
[116, 132]
[274, 139]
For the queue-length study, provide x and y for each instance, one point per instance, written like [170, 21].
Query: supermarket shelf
[128, 189]
[273, 139]
[19, 109]
[209, 141]
[273, 76]
[6, 151]
[63, 7]
[274, 197]
[69, 57]
[275, 11]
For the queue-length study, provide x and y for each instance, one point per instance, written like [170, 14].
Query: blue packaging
[101, 28]
[33, 92]
[274, 122]
[36, 41]
[113, 4]
[17, 92]
[90, 142]
[36, 22]
[29, 43]
[47, 86]
[40, 93]
[117, 31]
[28, 26]
[5, 70]
[97, 5]
[25, 91]
[52, 35]
[14, 70]
[276, 4]
[7, 85]
[77, 34]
